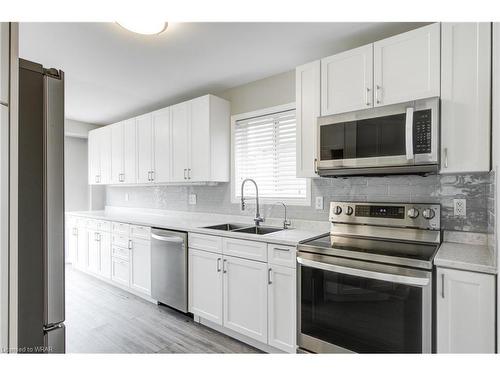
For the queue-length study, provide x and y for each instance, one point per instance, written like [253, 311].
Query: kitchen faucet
[286, 222]
[258, 219]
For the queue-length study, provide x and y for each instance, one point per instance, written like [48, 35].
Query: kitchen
[344, 205]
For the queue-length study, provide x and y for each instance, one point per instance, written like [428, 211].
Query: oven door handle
[409, 133]
[390, 277]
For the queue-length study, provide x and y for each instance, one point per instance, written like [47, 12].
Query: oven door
[355, 306]
[398, 135]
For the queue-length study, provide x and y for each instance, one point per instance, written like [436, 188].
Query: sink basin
[258, 230]
[227, 227]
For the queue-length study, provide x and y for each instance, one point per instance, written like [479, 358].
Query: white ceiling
[112, 74]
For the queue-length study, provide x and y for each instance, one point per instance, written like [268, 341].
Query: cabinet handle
[185, 170]
[446, 157]
[269, 272]
[376, 94]
[218, 264]
[316, 165]
[280, 249]
[367, 100]
[96, 179]
[224, 267]
[130, 244]
[189, 173]
[442, 285]
[152, 175]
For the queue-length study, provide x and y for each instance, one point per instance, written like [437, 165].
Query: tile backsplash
[476, 188]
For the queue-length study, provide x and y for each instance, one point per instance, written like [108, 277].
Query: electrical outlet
[459, 207]
[127, 197]
[319, 203]
[192, 199]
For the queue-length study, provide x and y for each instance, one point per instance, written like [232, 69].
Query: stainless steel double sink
[242, 228]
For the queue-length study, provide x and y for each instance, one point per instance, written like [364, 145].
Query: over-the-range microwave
[395, 139]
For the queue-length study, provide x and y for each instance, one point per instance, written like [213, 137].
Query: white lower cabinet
[205, 285]
[465, 312]
[140, 267]
[120, 271]
[281, 300]
[245, 297]
[82, 257]
[99, 253]
[254, 298]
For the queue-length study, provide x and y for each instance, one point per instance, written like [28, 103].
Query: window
[264, 149]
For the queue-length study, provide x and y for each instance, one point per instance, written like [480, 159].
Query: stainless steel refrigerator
[41, 302]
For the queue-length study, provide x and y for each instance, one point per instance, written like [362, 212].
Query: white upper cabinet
[347, 81]
[4, 62]
[144, 148]
[187, 142]
[465, 97]
[407, 66]
[161, 145]
[99, 159]
[307, 102]
[180, 144]
[465, 312]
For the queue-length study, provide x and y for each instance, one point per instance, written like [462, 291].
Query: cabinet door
[282, 308]
[129, 152]
[140, 275]
[120, 271]
[180, 141]
[161, 142]
[307, 99]
[105, 154]
[205, 285]
[465, 312]
[144, 148]
[105, 254]
[347, 81]
[93, 157]
[406, 66]
[94, 256]
[117, 153]
[465, 97]
[199, 136]
[245, 297]
[83, 248]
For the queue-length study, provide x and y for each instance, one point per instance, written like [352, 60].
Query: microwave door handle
[409, 133]
[389, 277]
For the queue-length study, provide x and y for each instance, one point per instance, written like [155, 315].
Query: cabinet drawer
[205, 242]
[281, 255]
[120, 240]
[121, 228]
[120, 252]
[245, 249]
[139, 231]
[120, 271]
[103, 226]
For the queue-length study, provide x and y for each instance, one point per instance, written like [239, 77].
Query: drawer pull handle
[280, 249]
[269, 273]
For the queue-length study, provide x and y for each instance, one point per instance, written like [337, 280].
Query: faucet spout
[258, 219]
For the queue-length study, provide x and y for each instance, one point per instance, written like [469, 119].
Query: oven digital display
[389, 212]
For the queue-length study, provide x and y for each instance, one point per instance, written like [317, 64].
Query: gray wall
[476, 188]
[76, 197]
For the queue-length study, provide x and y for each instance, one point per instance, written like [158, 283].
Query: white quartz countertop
[464, 256]
[194, 222]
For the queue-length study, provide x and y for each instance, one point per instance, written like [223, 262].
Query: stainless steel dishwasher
[169, 259]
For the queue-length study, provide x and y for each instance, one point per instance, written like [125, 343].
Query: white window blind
[264, 149]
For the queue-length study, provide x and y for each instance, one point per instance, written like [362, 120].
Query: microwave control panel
[422, 132]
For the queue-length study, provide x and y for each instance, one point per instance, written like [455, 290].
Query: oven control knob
[337, 210]
[349, 211]
[428, 213]
[413, 213]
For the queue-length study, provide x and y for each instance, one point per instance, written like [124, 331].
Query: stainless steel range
[366, 286]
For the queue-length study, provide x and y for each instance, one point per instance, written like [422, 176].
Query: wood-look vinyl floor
[101, 318]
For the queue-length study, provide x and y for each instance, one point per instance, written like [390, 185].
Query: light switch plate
[192, 199]
[459, 207]
[319, 203]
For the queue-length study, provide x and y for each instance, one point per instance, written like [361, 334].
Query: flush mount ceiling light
[144, 27]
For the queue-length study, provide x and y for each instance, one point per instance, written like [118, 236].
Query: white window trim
[289, 201]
